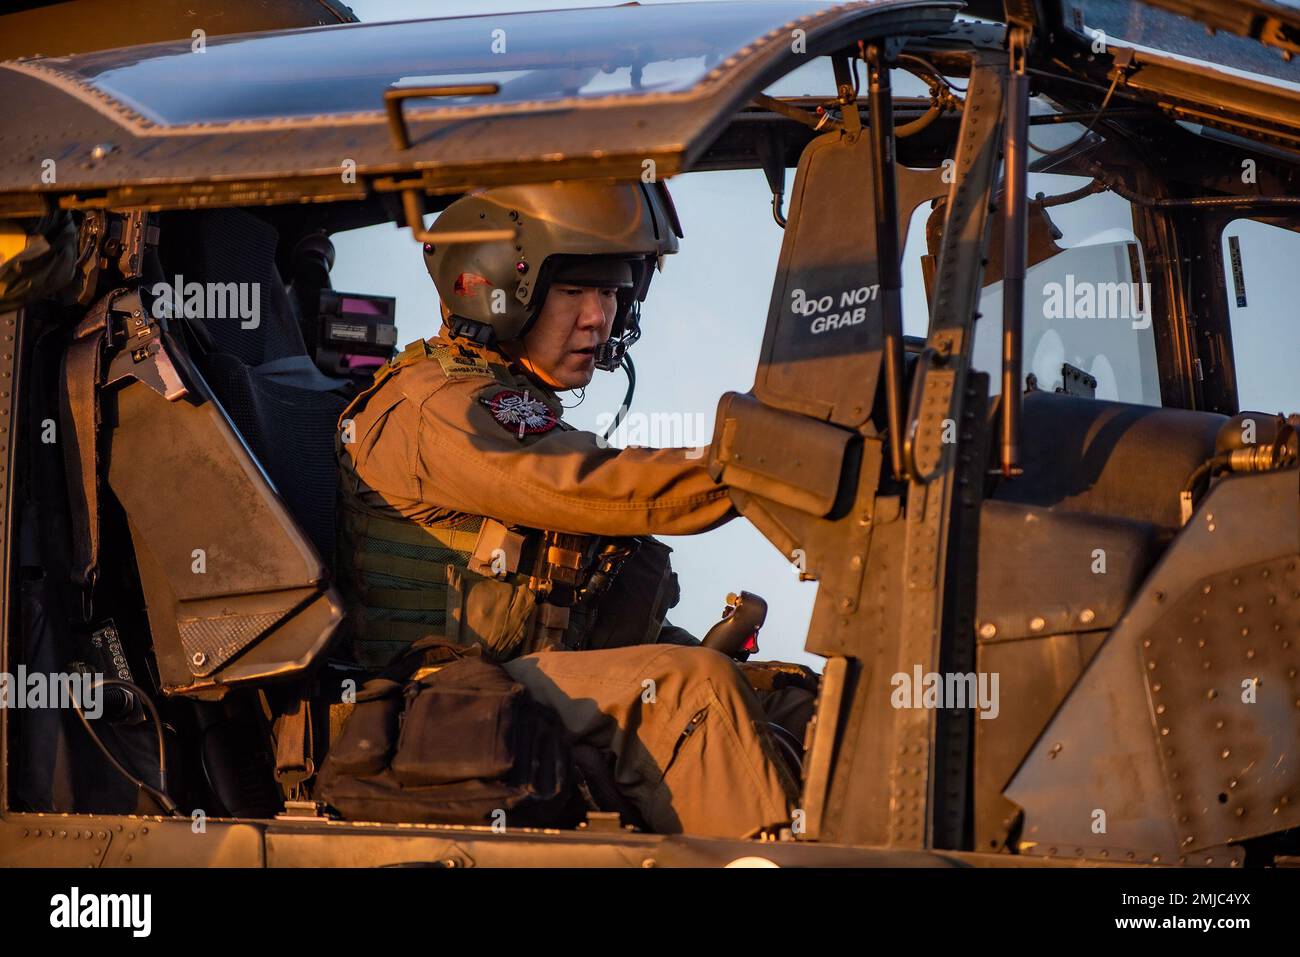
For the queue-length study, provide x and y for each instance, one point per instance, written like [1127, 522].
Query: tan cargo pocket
[486, 611]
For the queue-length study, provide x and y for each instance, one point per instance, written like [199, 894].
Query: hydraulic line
[159, 793]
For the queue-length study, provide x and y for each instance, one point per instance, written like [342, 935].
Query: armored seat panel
[1047, 571]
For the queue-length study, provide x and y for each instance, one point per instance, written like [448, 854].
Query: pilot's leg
[687, 732]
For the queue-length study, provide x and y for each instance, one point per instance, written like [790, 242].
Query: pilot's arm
[470, 457]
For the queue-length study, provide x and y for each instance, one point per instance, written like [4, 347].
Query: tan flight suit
[455, 434]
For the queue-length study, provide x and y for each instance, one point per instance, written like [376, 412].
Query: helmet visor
[601, 271]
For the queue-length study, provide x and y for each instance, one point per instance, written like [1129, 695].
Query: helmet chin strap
[473, 330]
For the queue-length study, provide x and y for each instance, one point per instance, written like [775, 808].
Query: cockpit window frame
[133, 161]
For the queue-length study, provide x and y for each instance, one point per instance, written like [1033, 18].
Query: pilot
[471, 508]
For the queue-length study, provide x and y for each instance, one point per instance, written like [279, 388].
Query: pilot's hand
[775, 675]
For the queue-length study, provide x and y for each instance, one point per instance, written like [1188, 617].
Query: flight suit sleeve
[467, 460]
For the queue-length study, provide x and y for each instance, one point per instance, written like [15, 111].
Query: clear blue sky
[703, 326]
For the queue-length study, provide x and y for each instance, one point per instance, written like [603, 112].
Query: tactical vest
[473, 580]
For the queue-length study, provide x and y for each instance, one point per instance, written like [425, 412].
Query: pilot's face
[560, 348]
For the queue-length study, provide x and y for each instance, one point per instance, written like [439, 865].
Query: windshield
[1129, 23]
[534, 57]
[1088, 325]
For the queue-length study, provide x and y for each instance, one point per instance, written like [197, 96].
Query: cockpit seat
[285, 408]
[1109, 459]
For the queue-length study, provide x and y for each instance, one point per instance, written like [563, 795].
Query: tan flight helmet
[583, 232]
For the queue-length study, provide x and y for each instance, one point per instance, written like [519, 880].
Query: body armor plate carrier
[473, 580]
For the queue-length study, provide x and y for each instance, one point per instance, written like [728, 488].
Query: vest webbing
[394, 573]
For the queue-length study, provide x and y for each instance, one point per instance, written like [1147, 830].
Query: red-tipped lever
[736, 635]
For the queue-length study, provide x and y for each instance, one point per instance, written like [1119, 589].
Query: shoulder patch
[520, 413]
[458, 364]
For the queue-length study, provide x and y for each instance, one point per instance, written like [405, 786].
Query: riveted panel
[1223, 672]
[52, 840]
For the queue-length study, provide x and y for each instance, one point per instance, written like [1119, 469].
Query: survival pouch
[446, 736]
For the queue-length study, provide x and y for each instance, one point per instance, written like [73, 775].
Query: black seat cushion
[291, 433]
[1108, 458]
[282, 406]
[230, 245]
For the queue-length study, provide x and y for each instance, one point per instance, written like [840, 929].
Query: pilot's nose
[592, 312]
